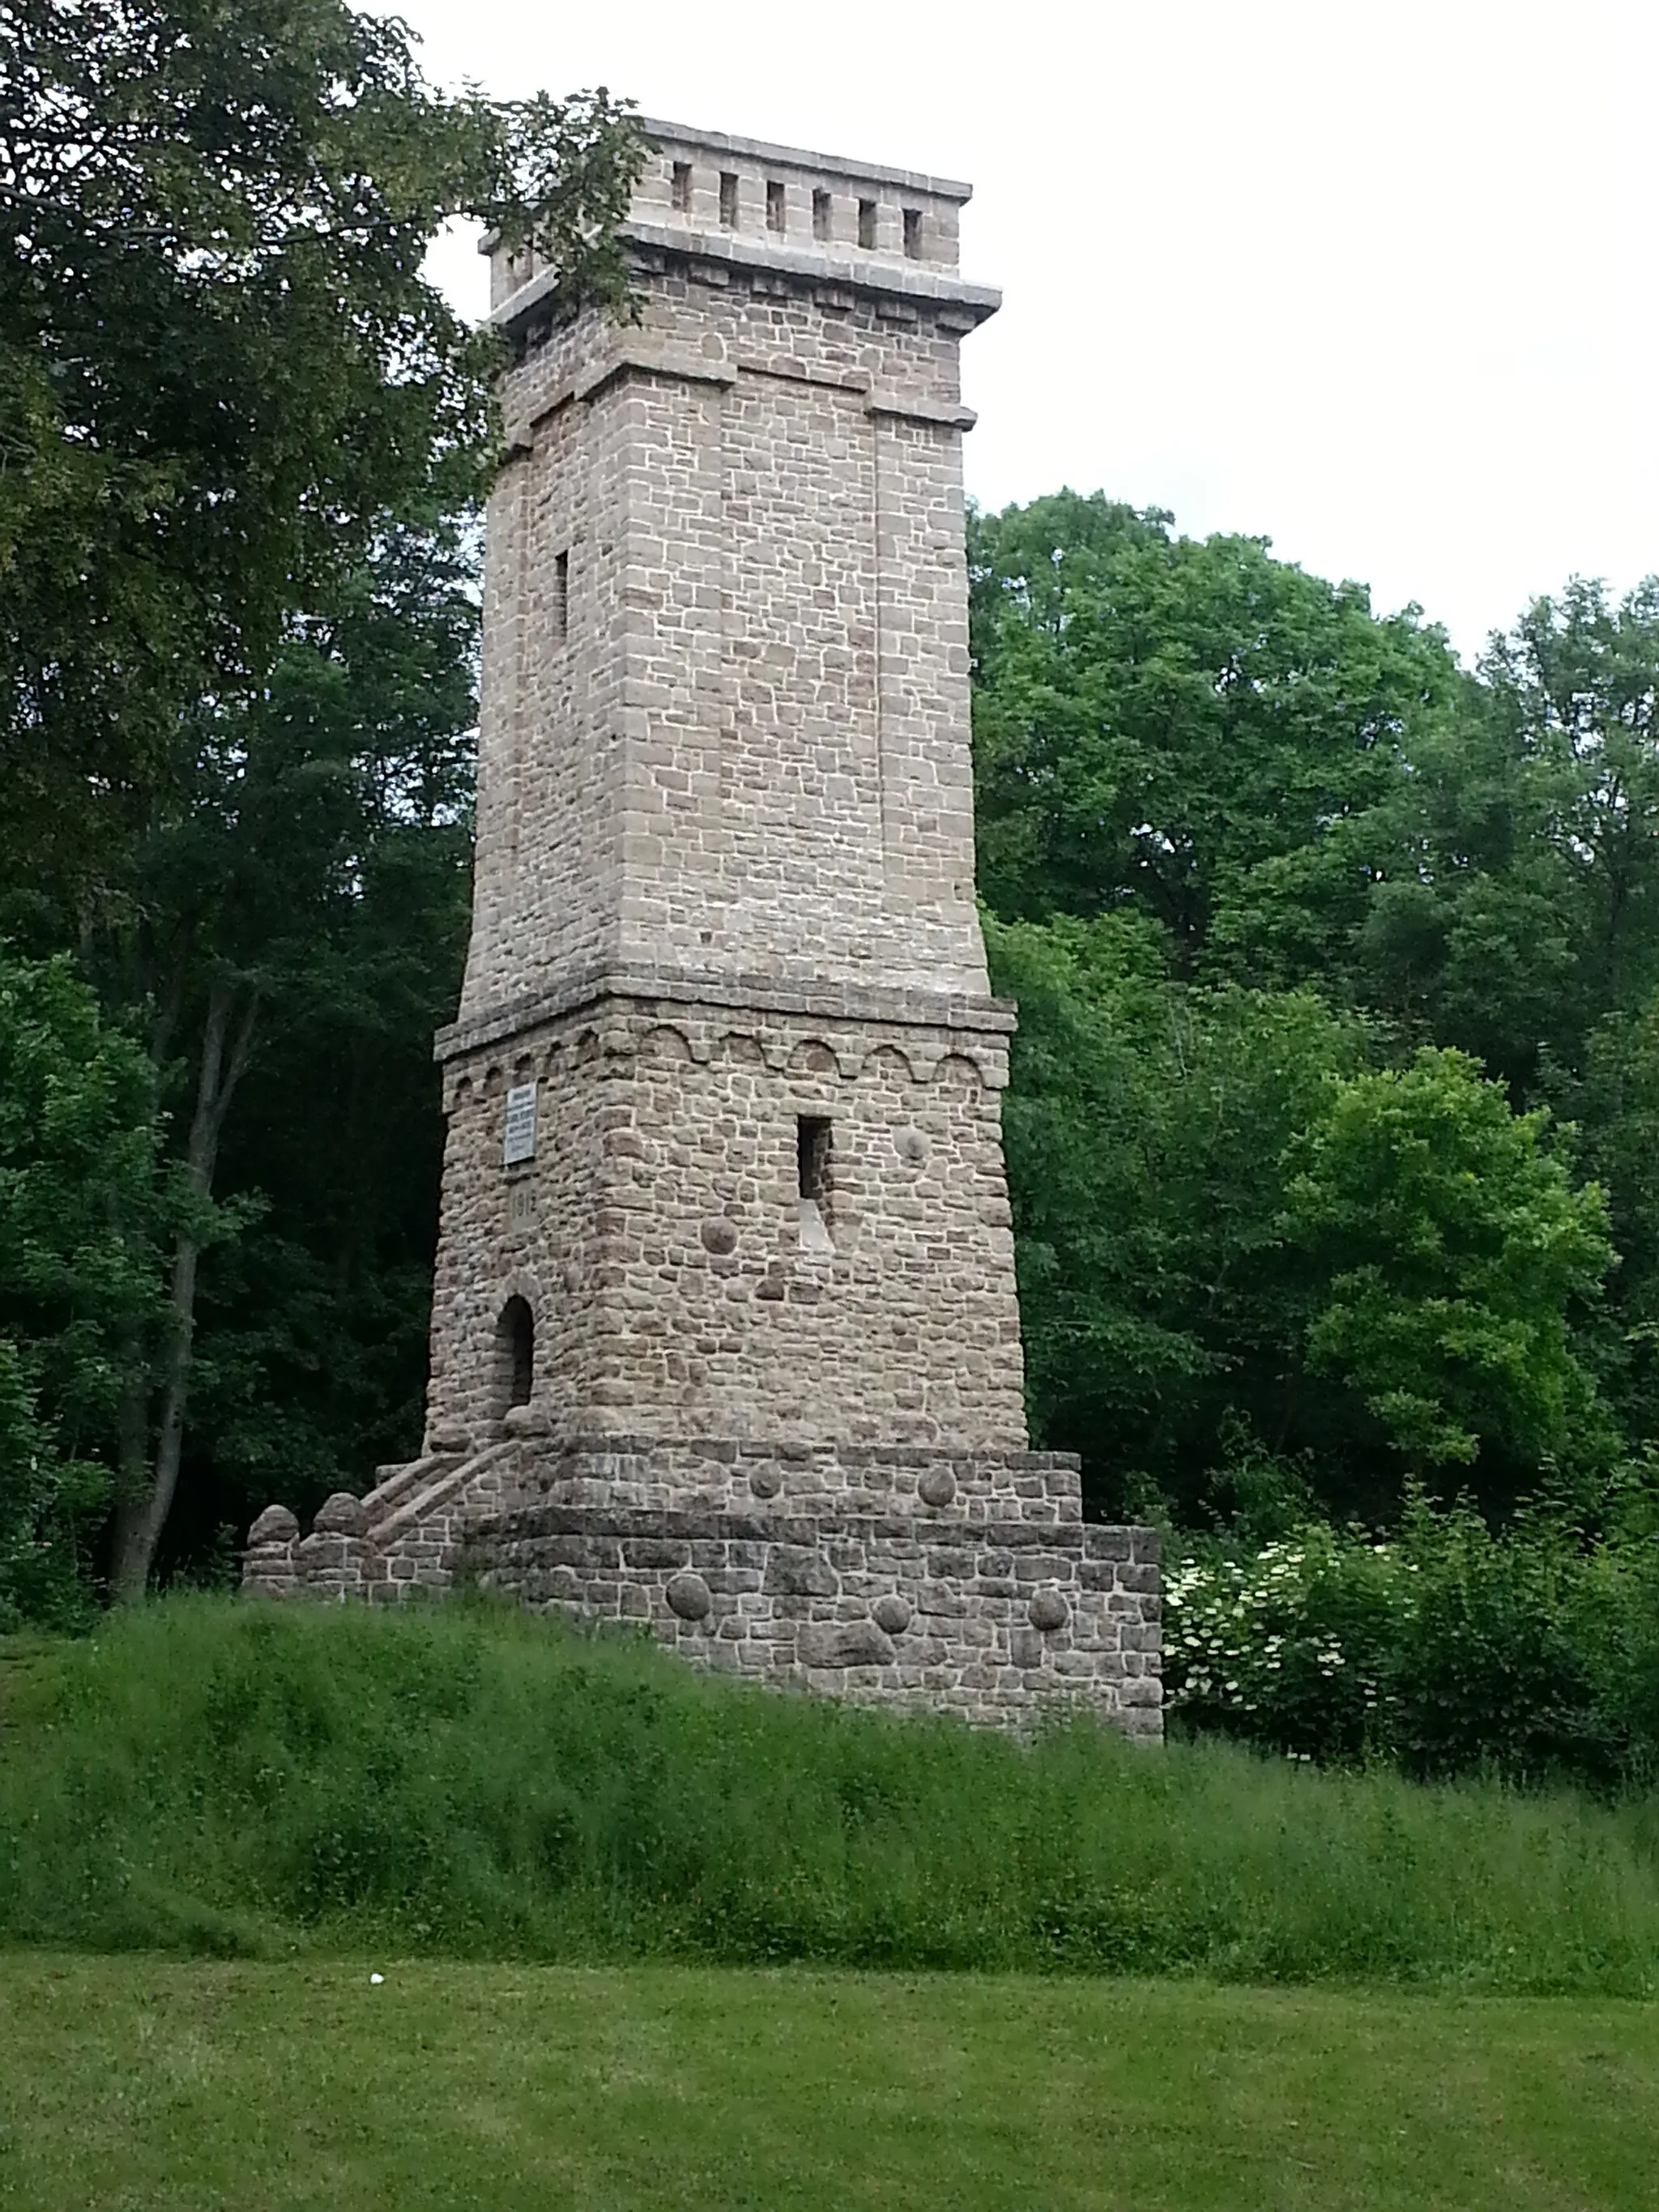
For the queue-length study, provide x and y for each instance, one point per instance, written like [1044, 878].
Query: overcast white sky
[1376, 281]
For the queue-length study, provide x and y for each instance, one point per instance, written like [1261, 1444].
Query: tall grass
[208, 1774]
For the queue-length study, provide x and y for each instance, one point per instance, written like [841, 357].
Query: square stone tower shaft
[725, 1156]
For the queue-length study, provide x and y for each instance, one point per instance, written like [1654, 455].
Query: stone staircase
[403, 1538]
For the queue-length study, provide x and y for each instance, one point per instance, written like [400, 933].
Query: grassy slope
[247, 1780]
[137, 2086]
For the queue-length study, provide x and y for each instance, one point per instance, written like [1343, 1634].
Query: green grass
[263, 1782]
[135, 2085]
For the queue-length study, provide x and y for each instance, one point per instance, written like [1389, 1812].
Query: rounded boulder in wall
[1048, 1611]
[938, 1487]
[688, 1597]
[340, 1515]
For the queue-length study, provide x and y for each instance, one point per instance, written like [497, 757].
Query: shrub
[1451, 1650]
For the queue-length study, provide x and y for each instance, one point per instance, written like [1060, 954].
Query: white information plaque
[520, 1140]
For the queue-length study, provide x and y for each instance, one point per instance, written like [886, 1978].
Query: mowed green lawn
[135, 2082]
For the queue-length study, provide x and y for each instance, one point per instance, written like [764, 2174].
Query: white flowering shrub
[1293, 1645]
[1450, 1651]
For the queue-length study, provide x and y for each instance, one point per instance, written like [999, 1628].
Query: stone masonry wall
[942, 1489]
[725, 710]
[405, 1536]
[996, 1623]
[658, 1235]
[996, 1619]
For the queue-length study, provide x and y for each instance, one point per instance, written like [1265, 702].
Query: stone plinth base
[994, 1621]
[966, 1583]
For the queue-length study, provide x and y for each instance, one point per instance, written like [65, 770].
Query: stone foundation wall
[874, 1594]
[996, 1622]
[706, 1474]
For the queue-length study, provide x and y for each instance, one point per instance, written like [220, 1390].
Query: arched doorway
[515, 1355]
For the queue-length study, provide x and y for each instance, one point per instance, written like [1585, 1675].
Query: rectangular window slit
[682, 187]
[728, 199]
[773, 205]
[913, 233]
[867, 224]
[820, 215]
[560, 606]
[813, 1157]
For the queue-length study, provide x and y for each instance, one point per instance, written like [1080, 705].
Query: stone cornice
[637, 355]
[880, 1004]
[915, 284]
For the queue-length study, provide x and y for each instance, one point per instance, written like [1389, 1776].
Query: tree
[1574, 688]
[310, 1360]
[1163, 1308]
[1521, 906]
[224, 388]
[81, 1214]
[1196, 731]
[1452, 1249]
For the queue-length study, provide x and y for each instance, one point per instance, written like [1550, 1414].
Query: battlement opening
[913, 233]
[515, 1355]
[682, 187]
[729, 198]
[867, 225]
[820, 214]
[775, 205]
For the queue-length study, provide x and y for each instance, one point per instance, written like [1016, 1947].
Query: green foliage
[221, 367]
[311, 1357]
[1452, 1249]
[1193, 729]
[1262, 870]
[1447, 1650]
[1145, 1129]
[80, 1213]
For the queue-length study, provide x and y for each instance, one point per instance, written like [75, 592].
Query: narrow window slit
[867, 224]
[561, 597]
[812, 1135]
[728, 199]
[812, 1157]
[775, 206]
[913, 233]
[682, 187]
[820, 215]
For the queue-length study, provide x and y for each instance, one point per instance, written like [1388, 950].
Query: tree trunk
[147, 1496]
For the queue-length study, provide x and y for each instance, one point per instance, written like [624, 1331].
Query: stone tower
[725, 1226]
[725, 960]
